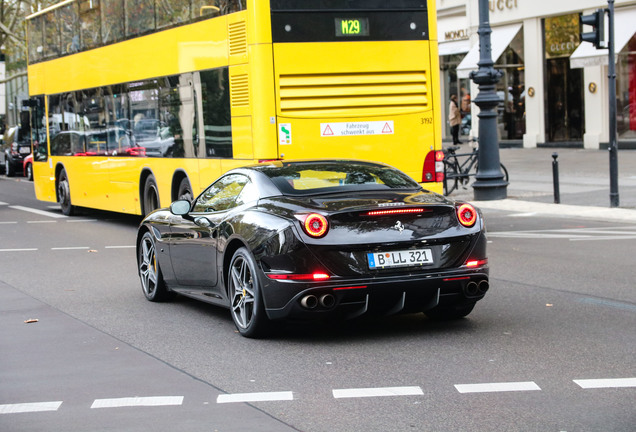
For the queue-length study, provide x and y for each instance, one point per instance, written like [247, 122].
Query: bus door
[39, 150]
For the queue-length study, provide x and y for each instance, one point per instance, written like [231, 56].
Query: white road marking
[497, 387]
[19, 250]
[3, 203]
[137, 402]
[572, 234]
[523, 215]
[606, 383]
[81, 220]
[255, 397]
[9, 223]
[40, 212]
[70, 248]
[41, 222]
[377, 392]
[30, 407]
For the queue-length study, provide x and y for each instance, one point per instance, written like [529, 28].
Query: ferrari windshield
[307, 178]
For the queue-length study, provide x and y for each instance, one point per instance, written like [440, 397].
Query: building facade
[553, 88]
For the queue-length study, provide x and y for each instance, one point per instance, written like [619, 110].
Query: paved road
[550, 348]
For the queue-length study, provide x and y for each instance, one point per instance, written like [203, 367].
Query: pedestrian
[454, 118]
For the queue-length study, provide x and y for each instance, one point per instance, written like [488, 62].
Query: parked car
[27, 167]
[16, 145]
[314, 240]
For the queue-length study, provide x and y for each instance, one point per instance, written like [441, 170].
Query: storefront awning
[454, 47]
[500, 38]
[587, 55]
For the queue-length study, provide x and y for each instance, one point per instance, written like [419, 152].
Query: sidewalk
[583, 182]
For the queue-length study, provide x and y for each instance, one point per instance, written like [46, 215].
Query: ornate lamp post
[489, 182]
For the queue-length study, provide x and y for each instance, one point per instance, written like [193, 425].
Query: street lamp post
[489, 181]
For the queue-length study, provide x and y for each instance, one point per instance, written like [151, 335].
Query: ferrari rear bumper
[378, 296]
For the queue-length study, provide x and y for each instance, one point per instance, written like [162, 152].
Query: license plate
[400, 258]
[25, 150]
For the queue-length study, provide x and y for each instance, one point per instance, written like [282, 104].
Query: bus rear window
[344, 20]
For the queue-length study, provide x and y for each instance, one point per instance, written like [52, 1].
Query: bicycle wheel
[451, 176]
[505, 172]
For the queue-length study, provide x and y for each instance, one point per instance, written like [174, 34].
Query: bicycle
[459, 172]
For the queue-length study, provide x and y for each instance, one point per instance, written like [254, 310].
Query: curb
[561, 210]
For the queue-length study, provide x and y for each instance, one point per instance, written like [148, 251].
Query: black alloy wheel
[151, 196]
[152, 283]
[29, 172]
[64, 194]
[247, 307]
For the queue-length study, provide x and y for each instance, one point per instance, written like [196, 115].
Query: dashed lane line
[497, 387]
[377, 392]
[30, 407]
[70, 248]
[66, 248]
[39, 212]
[606, 383]
[138, 402]
[255, 397]
[154, 401]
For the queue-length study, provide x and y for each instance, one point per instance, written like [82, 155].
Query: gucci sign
[502, 5]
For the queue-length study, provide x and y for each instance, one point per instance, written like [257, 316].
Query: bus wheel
[64, 194]
[151, 196]
[185, 190]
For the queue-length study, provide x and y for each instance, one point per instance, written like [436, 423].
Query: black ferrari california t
[316, 239]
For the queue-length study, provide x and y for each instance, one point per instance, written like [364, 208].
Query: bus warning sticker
[284, 134]
[357, 128]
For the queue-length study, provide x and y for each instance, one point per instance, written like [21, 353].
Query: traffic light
[597, 21]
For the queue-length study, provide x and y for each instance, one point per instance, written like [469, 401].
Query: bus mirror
[180, 207]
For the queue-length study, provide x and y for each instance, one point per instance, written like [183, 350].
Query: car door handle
[204, 222]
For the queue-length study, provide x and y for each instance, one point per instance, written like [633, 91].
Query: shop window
[511, 122]
[626, 91]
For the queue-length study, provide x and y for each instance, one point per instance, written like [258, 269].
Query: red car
[27, 167]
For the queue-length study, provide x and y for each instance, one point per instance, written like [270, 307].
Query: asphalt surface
[98, 343]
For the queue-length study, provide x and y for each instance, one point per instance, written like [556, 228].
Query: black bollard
[555, 178]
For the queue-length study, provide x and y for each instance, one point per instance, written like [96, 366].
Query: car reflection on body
[316, 239]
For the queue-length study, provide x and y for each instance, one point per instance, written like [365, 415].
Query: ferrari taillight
[467, 215]
[316, 225]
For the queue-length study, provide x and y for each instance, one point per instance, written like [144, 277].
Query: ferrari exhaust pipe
[471, 289]
[309, 302]
[483, 286]
[327, 301]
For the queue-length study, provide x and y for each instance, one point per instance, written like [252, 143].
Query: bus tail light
[433, 170]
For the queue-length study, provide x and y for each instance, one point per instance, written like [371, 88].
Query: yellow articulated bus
[146, 101]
